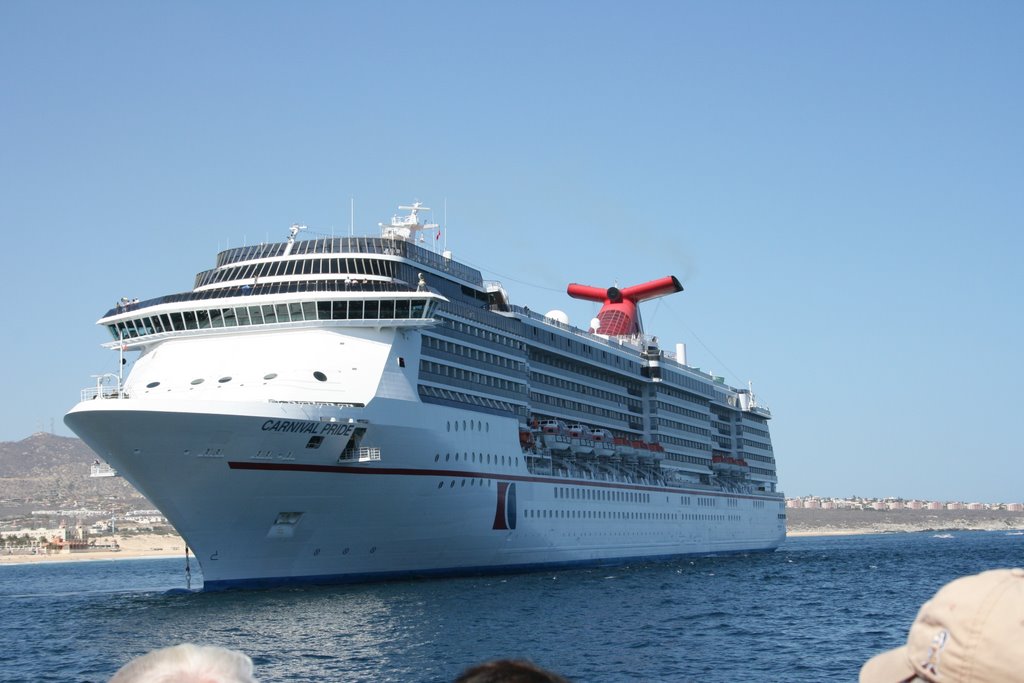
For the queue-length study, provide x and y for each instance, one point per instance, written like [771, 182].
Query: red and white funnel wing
[618, 316]
[587, 292]
[649, 290]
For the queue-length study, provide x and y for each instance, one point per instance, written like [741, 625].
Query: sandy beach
[801, 523]
[131, 547]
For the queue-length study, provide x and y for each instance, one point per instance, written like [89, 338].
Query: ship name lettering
[337, 429]
[304, 427]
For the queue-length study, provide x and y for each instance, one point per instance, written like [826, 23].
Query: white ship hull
[258, 507]
[363, 408]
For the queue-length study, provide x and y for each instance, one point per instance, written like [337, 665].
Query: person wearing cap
[971, 630]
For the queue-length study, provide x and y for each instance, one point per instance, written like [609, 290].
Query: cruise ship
[335, 409]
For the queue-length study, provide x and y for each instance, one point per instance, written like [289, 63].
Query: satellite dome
[558, 316]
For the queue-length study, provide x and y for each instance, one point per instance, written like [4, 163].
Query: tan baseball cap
[971, 630]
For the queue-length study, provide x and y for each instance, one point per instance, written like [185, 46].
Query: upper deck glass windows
[269, 314]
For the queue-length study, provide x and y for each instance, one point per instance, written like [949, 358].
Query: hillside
[45, 470]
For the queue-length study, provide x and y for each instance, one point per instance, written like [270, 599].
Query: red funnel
[618, 316]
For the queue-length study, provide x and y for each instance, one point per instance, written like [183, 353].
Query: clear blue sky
[839, 186]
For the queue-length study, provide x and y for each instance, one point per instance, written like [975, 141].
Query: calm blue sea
[813, 611]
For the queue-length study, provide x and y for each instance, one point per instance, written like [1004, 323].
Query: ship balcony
[107, 386]
[361, 454]
[102, 469]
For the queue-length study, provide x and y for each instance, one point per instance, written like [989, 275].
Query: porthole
[270, 375]
[437, 456]
[152, 385]
[449, 424]
[447, 457]
[222, 380]
[319, 376]
[440, 484]
[197, 381]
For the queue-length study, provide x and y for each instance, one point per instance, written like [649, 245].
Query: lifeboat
[604, 444]
[553, 427]
[579, 431]
[624, 447]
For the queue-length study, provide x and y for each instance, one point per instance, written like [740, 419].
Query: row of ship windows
[339, 266]
[472, 482]
[484, 458]
[468, 426]
[683, 427]
[317, 375]
[682, 394]
[575, 367]
[756, 444]
[586, 409]
[479, 378]
[224, 380]
[476, 331]
[626, 514]
[679, 457]
[665, 439]
[449, 396]
[685, 381]
[269, 314]
[763, 433]
[574, 493]
[679, 410]
[474, 354]
[350, 245]
[583, 389]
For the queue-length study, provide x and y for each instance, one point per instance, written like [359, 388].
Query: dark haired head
[508, 671]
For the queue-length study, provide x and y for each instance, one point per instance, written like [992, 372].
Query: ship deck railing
[90, 393]
[339, 246]
[636, 344]
[102, 470]
[361, 454]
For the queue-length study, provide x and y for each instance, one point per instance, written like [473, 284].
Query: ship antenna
[292, 232]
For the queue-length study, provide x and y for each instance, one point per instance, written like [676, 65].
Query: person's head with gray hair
[188, 663]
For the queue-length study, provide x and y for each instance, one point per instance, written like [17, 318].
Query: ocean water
[812, 611]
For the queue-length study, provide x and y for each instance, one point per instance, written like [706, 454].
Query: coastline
[811, 522]
[801, 522]
[142, 546]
